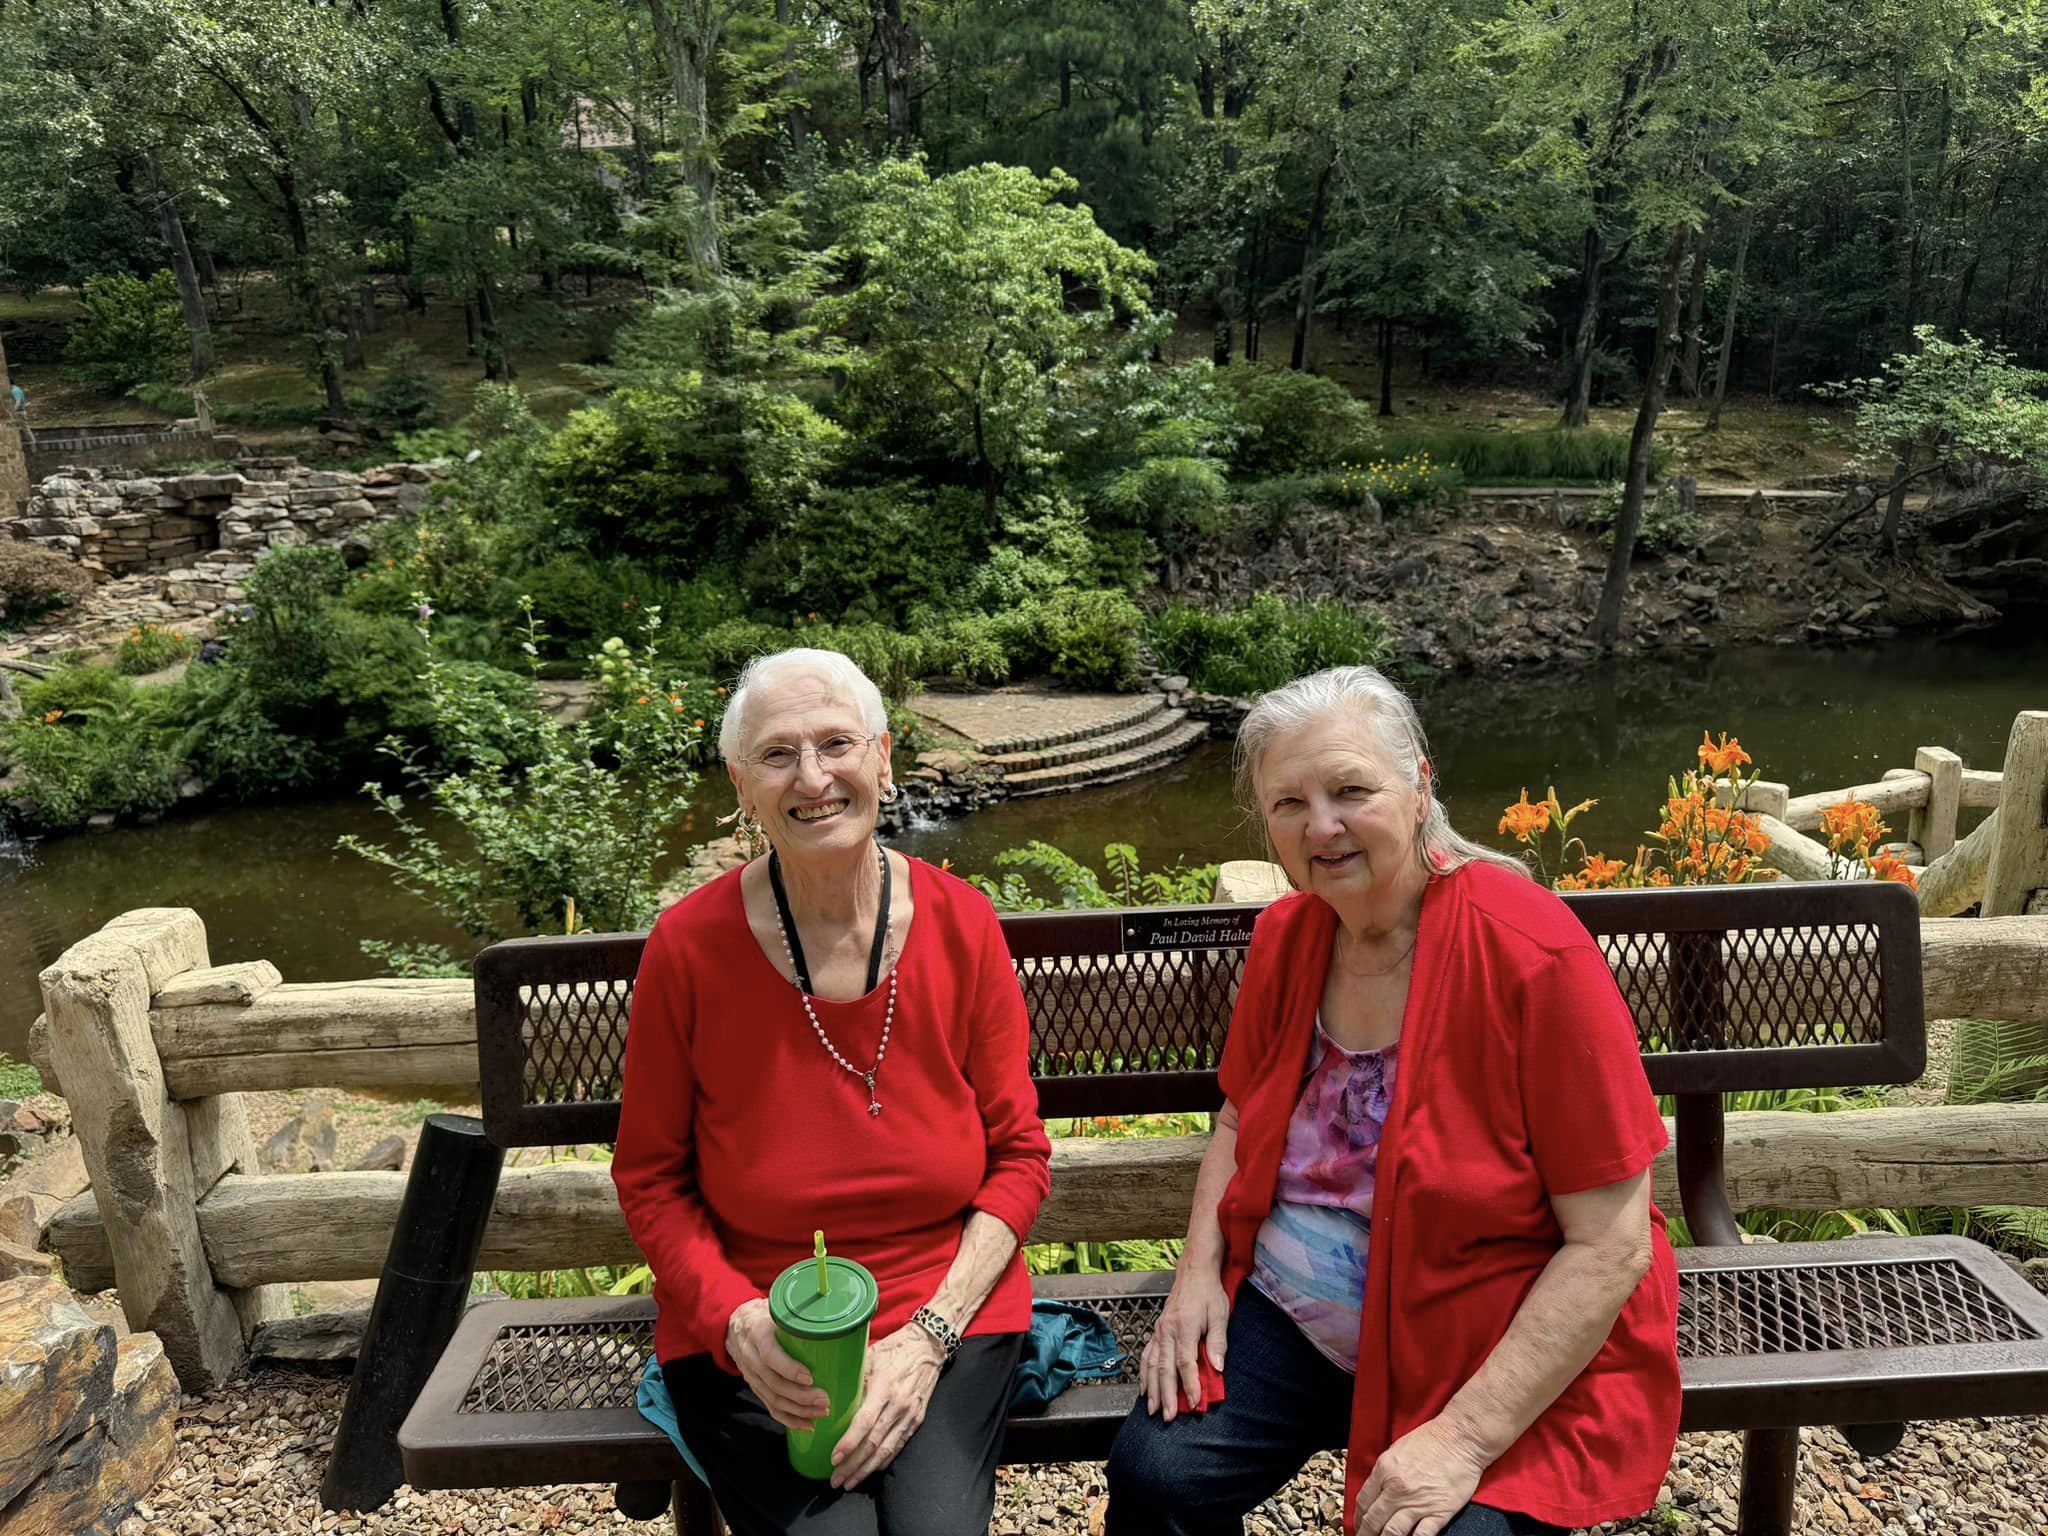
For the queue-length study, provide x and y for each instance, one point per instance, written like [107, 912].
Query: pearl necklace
[888, 1017]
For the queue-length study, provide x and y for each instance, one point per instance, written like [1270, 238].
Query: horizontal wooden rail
[1906, 790]
[396, 1034]
[288, 1228]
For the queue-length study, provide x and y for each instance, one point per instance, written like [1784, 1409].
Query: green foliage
[575, 839]
[1174, 500]
[129, 331]
[871, 551]
[1401, 485]
[976, 299]
[1086, 638]
[1951, 400]
[1123, 882]
[1998, 1061]
[35, 580]
[1293, 422]
[1665, 526]
[678, 475]
[18, 1080]
[408, 399]
[425, 444]
[83, 747]
[1262, 644]
[1569, 455]
[151, 648]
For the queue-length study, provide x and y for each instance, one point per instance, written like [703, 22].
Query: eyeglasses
[843, 750]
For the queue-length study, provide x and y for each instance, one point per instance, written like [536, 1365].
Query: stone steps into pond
[1113, 769]
[1046, 742]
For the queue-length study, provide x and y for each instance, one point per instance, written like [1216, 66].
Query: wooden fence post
[151, 1157]
[2019, 858]
[1933, 826]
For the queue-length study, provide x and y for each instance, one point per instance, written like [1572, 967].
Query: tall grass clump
[1261, 644]
[1571, 455]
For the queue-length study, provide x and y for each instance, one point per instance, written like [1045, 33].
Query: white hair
[840, 675]
[1365, 694]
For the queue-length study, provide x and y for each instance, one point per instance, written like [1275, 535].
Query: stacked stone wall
[208, 529]
[124, 444]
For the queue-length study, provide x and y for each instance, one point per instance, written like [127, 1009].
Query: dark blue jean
[1201, 1474]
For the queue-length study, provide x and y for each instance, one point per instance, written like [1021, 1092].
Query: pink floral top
[1310, 1256]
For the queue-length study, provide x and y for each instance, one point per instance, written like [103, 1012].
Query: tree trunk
[899, 44]
[497, 365]
[1695, 306]
[1630, 518]
[799, 118]
[1387, 366]
[191, 297]
[1895, 504]
[1311, 257]
[689, 52]
[351, 337]
[1578, 404]
[308, 286]
[469, 327]
[1727, 355]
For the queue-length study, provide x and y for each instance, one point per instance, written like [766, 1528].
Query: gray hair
[839, 673]
[1367, 695]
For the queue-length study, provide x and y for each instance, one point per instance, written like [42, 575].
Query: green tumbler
[821, 1307]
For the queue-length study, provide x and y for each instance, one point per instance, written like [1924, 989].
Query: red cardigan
[738, 1134]
[1520, 1079]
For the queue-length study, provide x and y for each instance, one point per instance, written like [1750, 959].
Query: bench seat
[1877, 1332]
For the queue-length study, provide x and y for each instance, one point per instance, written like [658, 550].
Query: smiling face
[1339, 813]
[820, 803]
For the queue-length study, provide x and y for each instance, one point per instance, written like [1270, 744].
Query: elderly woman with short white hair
[832, 1036]
[1423, 1227]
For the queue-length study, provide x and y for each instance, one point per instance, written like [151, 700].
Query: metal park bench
[1758, 987]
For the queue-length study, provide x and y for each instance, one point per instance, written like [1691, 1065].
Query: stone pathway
[1045, 742]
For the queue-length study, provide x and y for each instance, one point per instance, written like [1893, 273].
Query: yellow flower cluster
[1390, 477]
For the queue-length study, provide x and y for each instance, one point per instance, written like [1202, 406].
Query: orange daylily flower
[1524, 820]
[1889, 866]
[1723, 758]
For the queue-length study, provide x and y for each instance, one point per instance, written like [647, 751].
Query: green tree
[960, 303]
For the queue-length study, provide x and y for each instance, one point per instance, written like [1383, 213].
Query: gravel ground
[250, 1459]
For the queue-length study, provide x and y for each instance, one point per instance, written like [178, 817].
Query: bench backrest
[1743, 987]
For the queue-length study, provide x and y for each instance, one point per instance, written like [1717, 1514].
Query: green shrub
[871, 552]
[98, 754]
[129, 331]
[1267, 642]
[1571, 455]
[1291, 422]
[731, 645]
[1665, 526]
[428, 443]
[35, 580]
[1045, 547]
[1123, 883]
[1401, 485]
[151, 648]
[1172, 500]
[215, 723]
[1087, 638]
[18, 1080]
[408, 399]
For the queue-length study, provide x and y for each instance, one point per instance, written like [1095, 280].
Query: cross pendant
[874, 1104]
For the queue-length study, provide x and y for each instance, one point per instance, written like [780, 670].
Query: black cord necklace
[796, 947]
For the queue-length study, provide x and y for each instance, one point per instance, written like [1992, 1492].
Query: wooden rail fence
[153, 1046]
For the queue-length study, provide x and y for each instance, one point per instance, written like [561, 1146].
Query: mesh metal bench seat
[1743, 988]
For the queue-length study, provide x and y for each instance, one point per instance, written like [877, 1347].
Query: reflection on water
[270, 883]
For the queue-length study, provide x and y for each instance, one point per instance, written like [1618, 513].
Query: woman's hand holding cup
[782, 1383]
[1196, 1316]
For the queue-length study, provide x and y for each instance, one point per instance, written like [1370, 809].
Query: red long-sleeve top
[739, 1135]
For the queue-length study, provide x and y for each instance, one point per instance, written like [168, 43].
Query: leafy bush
[1292, 422]
[408, 399]
[34, 580]
[82, 747]
[1123, 883]
[151, 648]
[1267, 642]
[1574, 455]
[1045, 548]
[871, 552]
[429, 443]
[1665, 525]
[577, 839]
[731, 645]
[1173, 500]
[18, 1080]
[678, 475]
[129, 331]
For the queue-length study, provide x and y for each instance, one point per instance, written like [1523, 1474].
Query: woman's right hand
[781, 1381]
[1197, 1316]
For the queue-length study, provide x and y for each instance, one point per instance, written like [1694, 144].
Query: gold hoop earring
[747, 832]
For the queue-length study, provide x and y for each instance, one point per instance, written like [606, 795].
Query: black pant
[1201, 1474]
[942, 1483]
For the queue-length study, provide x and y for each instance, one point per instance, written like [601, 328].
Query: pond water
[270, 883]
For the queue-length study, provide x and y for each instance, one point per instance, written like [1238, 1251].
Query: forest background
[948, 333]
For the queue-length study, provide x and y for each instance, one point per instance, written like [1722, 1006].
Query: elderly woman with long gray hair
[832, 1036]
[1423, 1227]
